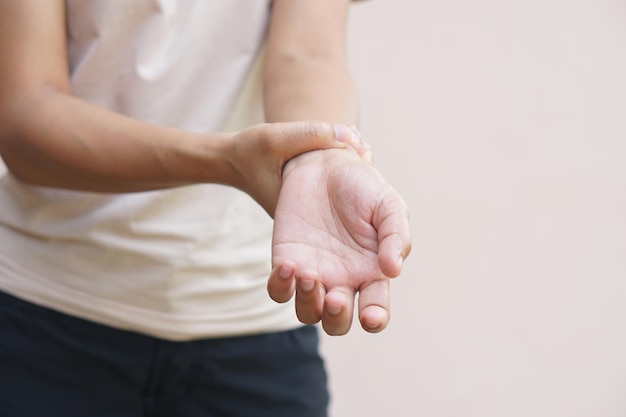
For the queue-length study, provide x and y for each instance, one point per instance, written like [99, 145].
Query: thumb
[300, 137]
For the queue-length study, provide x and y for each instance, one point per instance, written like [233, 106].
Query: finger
[360, 146]
[337, 312]
[391, 219]
[309, 300]
[374, 310]
[280, 285]
[367, 156]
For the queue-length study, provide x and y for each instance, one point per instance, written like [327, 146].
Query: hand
[258, 154]
[339, 229]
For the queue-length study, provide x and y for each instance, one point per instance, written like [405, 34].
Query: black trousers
[55, 365]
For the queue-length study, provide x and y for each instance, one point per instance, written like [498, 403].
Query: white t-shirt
[179, 264]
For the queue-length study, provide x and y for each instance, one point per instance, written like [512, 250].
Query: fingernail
[285, 272]
[333, 309]
[400, 261]
[343, 133]
[307, 284]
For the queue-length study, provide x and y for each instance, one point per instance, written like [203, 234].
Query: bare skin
[340, 229]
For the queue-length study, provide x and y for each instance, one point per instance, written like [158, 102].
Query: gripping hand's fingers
[361, 147]
[374, 310]
[337, 313]
[281, 283]
[309, 299]
[391, 219]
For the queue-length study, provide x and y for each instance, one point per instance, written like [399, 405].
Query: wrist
[213, 152]
[323, 157]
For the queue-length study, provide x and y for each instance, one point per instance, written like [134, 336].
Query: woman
[146, 142]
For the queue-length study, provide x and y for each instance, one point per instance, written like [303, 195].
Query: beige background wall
[503, 124]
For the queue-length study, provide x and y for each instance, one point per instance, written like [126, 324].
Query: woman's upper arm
[32, 47]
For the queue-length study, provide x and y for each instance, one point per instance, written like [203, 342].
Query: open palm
[339, 229]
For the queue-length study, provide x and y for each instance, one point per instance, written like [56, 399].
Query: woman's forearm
[306, 74]
[300, 87]
[53, 139]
